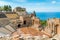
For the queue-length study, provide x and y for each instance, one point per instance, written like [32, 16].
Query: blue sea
[46, 15]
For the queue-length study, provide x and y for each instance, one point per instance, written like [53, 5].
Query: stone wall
[53, 26]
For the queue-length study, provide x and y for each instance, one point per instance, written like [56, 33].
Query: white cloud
[5, 3]
[44, 9]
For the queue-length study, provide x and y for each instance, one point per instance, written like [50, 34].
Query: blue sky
[37, 5]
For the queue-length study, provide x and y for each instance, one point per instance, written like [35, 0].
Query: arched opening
[56, 28]
[24, 22]
[56, 25]
[19, 25]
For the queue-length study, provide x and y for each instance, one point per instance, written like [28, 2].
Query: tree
[34, 13]
[10, 8]
[1, 8]
[7, 8]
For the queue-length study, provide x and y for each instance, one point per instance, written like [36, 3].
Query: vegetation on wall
[43, 22]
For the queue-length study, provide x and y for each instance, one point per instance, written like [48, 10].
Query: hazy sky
[37, 5]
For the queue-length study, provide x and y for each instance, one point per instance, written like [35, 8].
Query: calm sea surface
[46, 15]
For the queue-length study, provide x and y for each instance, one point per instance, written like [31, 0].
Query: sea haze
[46, 15]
